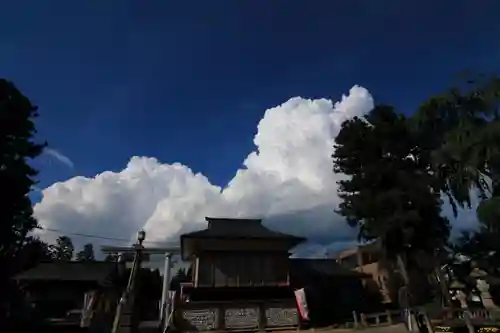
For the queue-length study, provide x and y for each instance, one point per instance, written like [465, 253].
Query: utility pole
[128, 297]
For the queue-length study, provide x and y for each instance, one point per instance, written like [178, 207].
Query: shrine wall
[228, 316]
[235, 269]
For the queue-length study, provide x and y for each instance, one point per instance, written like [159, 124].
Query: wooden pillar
[428, 323]
[355, 317]
[363, 320]
[164, 307]
[262, 316]
[196, 271]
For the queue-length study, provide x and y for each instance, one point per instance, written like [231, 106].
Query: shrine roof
[227, 228]
[97, 271]
[328, 267]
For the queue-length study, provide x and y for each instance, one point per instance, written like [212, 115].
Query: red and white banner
[300, 297]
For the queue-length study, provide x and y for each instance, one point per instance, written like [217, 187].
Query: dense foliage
[86, 254]
[390, 194]
[399, 167]
[63, 249]
[461, 130]
[464, 125]
[17, 148]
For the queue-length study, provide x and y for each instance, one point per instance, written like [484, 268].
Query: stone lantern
[458, 295]
[480, 279]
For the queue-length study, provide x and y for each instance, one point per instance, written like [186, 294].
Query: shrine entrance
[167, 252]
[240, 280]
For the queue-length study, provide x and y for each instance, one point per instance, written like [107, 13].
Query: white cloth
[89, 300]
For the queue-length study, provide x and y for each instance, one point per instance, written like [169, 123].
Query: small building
[240, 279]
[58, 289]
[367, 259]
[332, 291]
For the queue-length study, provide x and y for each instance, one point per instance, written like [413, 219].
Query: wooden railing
[387, 318]
[474, 320]
[449, 313]
[236, 316]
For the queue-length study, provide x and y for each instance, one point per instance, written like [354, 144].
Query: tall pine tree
[390, 195]
[17, 148]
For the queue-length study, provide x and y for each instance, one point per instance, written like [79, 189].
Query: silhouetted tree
[16, 175]
[17, 148]
[483, 245]
[390, 195]
[461, 129]
[149, 293]
[111, 257]
[63, 249]
[86, 254]
[33, 251]
[181, 275]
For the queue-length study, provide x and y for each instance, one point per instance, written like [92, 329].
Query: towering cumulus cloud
[287, 180]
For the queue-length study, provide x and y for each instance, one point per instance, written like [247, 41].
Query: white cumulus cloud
[287, 181]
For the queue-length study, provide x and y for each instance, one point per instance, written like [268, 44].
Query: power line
[84, 235]
[94, 236]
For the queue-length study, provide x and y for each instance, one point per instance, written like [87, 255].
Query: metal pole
[166, 285]
[126, 294]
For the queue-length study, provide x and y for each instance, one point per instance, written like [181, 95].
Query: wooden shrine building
[57, 291]
[240, 278]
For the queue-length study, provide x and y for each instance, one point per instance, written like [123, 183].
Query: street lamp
[141, 235]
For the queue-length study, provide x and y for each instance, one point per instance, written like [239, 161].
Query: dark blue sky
[188, 81]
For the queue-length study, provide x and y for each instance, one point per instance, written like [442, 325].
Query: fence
[385, 318]
[485, 314]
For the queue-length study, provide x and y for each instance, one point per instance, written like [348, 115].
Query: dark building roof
[239, 228]
[96, 271]
[328, 267]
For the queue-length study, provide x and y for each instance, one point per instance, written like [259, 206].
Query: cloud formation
[59, 156]
[287, 180]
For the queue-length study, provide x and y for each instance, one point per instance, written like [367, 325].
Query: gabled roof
[328, 267]
[369, 247]
[96, 271]
[239, 228]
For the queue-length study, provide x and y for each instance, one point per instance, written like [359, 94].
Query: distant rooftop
[88, 271]
[328, 267]
[366, 247]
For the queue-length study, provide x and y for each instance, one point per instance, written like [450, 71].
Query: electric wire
[85, 235]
